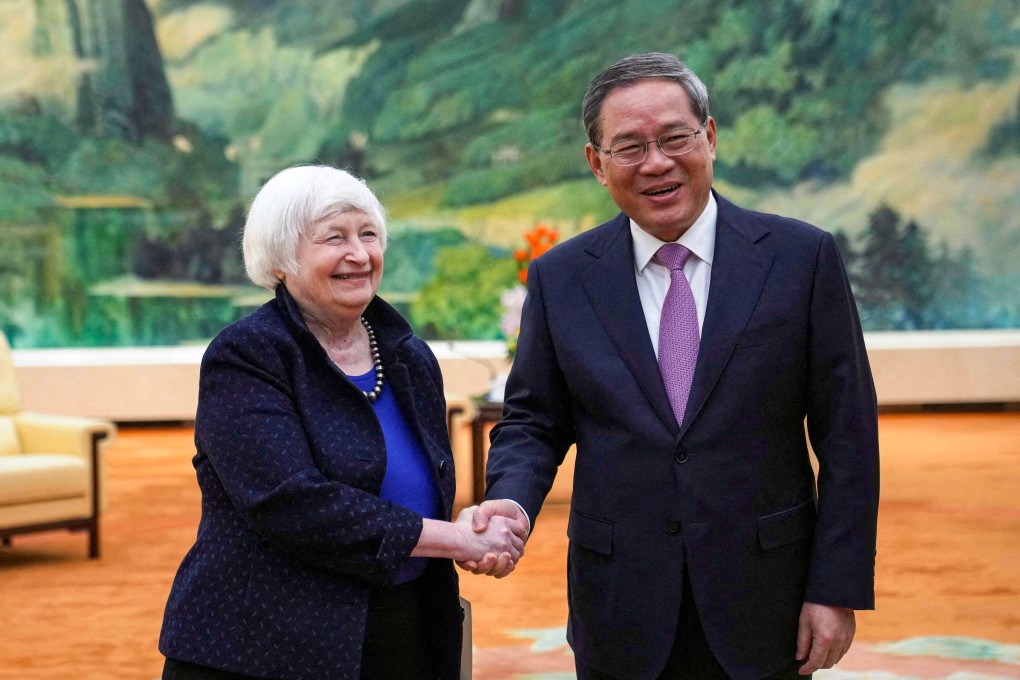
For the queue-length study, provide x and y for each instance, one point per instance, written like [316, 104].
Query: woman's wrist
[442, 539]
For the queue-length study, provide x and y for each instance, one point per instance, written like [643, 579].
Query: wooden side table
[488, 413]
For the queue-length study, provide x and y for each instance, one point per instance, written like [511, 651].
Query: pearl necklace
[373, 347]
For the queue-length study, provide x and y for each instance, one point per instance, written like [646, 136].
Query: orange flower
[540, 239]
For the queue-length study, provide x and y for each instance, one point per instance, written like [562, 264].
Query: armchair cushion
[9, 443]
[29, 478]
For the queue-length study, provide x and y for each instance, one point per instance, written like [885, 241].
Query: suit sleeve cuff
[523, 511]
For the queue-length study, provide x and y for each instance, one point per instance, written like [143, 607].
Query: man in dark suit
[700, 544]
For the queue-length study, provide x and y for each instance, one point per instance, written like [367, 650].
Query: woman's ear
[280, 276]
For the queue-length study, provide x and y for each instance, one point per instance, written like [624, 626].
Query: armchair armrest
[43, 433]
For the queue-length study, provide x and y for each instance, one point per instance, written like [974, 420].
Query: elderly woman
[324, 548]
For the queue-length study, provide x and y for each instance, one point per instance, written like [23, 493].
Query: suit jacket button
[442, 467]
[673, 526]
[680, 456]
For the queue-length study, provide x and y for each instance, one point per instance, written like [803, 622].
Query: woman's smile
[353, 276]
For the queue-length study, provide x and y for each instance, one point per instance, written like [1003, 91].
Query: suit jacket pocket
[770, 331]
[591, 533]
[787, 526]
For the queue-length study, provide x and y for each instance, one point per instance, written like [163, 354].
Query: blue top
[408, 480]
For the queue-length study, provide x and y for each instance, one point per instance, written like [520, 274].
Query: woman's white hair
[288, 204]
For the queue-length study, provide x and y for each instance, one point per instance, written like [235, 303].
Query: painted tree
[878, 286]
[916, 277]
[894, 277]
[123, 91]
[959, 295]
[902, 283]
[463, 298]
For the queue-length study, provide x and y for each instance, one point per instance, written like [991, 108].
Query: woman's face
[340, 266]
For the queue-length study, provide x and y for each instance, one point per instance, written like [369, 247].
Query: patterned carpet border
[544, 655]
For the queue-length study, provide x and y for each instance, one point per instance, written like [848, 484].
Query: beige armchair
[50, 466]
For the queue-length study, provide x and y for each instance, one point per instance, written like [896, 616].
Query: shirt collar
[699, 238]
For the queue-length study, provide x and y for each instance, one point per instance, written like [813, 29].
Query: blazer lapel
[612, 291]
[739, 270]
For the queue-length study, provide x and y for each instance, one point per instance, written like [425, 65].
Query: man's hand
[495, 565]
[824, 636]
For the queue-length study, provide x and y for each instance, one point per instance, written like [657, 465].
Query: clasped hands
[497, 531]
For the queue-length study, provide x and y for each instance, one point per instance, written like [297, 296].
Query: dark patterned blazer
[293, 535]
[730, 491]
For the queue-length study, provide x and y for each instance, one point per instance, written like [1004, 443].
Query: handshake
[493, 534]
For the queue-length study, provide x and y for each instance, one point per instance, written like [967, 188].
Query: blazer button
[673, 526]
[680, 455]
[442, 467]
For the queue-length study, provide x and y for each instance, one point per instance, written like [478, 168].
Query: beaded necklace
[373, 347]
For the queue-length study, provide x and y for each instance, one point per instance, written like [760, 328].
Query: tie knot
[673, 255]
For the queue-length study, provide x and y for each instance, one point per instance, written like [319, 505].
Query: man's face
[663, 194]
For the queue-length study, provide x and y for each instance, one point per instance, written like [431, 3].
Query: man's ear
[710, 135]
[595, 163]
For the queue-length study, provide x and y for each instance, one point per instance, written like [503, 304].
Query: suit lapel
[612, 291]
[739, 270]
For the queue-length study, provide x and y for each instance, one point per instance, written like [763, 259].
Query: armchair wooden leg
[94, 522]
[94, 540]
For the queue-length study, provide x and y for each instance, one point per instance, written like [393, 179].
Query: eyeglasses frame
[658, 143]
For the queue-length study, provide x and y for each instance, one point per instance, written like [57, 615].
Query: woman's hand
[495, 564]
[498, 545]
[502, 537]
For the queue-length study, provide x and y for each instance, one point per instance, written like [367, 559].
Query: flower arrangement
[539, 239]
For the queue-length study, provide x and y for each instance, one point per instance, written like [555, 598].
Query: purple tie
[678, 330]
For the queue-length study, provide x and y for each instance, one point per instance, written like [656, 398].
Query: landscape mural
[133, 134]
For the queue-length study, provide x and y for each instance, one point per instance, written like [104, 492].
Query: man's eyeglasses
[673, 143]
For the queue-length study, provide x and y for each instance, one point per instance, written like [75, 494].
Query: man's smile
[662, 191]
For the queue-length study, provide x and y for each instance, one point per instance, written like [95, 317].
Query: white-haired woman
[325, 547]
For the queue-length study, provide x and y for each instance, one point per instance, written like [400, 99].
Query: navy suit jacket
[731, 490]
[294, 535]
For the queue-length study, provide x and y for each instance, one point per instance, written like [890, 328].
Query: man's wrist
[523, 512]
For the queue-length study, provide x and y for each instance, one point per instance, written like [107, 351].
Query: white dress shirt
[653, 278]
